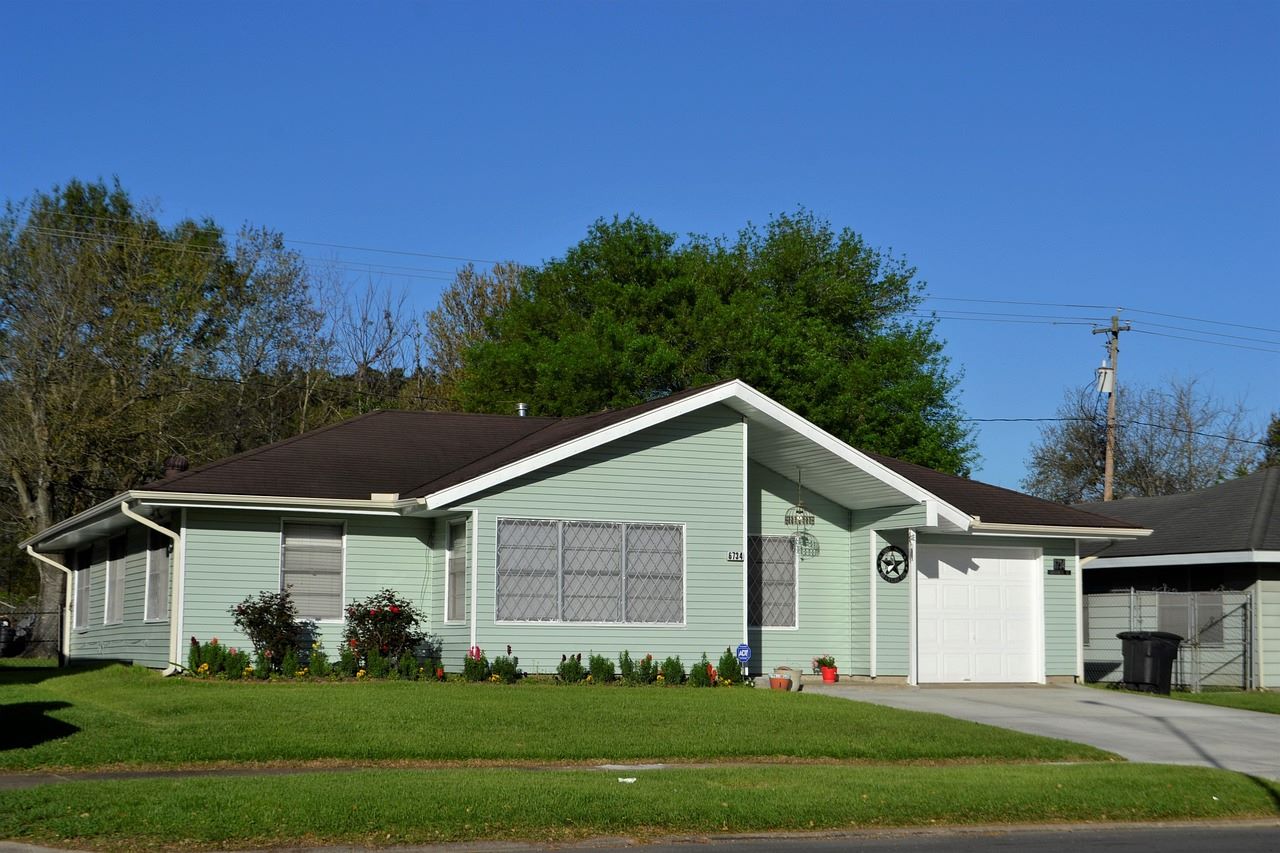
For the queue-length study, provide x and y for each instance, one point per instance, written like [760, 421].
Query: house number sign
[735, 557]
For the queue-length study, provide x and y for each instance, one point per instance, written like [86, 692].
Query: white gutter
[65, 646]
[175, 585]
[995, 528]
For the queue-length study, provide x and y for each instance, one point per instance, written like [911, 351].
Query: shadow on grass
[27, 724]
[42, 672]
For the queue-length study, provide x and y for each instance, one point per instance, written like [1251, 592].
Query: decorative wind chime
[799, 516]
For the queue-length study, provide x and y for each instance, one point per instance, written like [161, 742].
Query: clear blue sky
[1103, 154]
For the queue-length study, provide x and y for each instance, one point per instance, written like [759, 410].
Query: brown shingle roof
[995, 504]
[414, 454]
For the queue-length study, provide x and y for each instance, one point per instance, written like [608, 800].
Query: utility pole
[1113, 350]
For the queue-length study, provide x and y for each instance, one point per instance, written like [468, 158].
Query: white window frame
[152, 572]
[83, 591]
[114, 566]
[795, 570]
[684, 574]
[448, 571]
[342, 597]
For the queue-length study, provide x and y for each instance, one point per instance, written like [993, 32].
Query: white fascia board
[986, 528]
[109, 506]
[1206, 558]
[216, 501]
[736, 390]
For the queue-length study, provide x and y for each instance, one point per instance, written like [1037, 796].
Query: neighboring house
[1210, 573]
[660, 529]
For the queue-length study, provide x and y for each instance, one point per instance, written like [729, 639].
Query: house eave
[1201, 559]
[1043, 531]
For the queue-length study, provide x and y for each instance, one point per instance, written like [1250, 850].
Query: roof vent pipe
[175, 465]
[522, 409]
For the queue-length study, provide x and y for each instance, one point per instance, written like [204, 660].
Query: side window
[113, 610]
[159, 550]
[84, 567]
[456, 573]
[771, 581]
[311, 568]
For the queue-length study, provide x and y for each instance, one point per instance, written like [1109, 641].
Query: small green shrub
[270, 621]
[475, 666]
[626, 668]
[571, 670]
[647, 670]
[376, 666]
[506, 668]
[318, 662]
[701, 674]
[601, 669]
[407, 665]
[672, 672]
[348, 663]
[235, 664]
[729, 671]
[290, 667]
[262, 664]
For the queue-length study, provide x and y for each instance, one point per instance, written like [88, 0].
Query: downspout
[65, 647]
[913, 675]
[175, 585]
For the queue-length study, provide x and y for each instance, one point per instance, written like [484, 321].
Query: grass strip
[130, 717]
[387, 807]
[1267, 703]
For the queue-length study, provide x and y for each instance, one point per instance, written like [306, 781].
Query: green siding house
[699, 521]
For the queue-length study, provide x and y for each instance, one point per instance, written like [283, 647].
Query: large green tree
[811, 316]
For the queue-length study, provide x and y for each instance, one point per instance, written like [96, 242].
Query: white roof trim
[734, 389]
[1066, 532]
[1205, 558]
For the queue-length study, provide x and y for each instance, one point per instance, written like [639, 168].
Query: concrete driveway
[1141, 728]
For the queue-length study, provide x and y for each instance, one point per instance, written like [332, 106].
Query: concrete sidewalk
[1140, 728]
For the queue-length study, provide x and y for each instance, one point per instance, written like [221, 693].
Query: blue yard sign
[744, 653]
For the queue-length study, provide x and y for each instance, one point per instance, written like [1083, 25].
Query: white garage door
[976, 619]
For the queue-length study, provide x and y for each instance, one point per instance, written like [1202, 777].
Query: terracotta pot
[777, 682]
[828, 674]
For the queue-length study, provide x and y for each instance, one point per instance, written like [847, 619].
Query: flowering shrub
[475, 666]
[270, 621]
[729, 670]
[506, 668]
[672, 672]
[318, 661]
[570, 669]
[214, 660]
[384, 622]
[701, 674]
[601, 669]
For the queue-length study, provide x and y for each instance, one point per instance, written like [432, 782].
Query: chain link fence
[1216, 627]
[26, 631]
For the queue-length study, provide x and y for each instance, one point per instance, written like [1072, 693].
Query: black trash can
[1148, 659]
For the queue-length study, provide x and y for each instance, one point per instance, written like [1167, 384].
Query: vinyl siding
[685, 471]
[131, 639]
[874, 530]
[829, 595]
[234, 554]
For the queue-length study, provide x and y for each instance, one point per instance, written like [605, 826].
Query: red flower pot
[828, 674]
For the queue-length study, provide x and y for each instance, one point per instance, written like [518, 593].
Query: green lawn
[118, 715]
[1253, 700]
[387, 807]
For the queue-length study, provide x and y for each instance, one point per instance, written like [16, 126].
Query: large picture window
[589, 571]
[158, 551]
[311, 558]
[456, 572]
[771, 581]
[113, 610]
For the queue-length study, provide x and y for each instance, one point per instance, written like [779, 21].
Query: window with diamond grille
[589, 571]
[771, 581]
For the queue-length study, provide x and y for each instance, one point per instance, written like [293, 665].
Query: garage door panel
[976, 615]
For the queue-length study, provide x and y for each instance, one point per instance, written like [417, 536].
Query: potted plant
[825, 664]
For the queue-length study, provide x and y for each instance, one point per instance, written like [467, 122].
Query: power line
[1203, 341]
[1102, 307]
[1182, 430]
